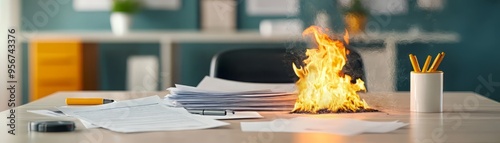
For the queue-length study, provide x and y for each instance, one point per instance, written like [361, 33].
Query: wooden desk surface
[468, 117]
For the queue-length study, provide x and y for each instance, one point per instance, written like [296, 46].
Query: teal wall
[466, 64]
[62, 16]
[471, 64]
[114, 62]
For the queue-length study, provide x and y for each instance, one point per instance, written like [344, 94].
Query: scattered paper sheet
[56, 113]
[49, 113]
[217, 84]
[236, 115]
[340, 126]
[140, 115]
[88, 125]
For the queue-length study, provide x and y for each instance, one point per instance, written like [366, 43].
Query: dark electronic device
[52, 126]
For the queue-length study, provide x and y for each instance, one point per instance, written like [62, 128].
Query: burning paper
[322, 86]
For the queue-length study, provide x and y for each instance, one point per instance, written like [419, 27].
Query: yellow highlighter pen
[87, 101]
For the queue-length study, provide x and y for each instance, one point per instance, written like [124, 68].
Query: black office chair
[271, 65]
[261, 65]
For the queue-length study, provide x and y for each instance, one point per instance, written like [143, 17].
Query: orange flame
[322, 86]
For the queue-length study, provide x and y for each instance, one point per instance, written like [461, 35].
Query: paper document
[347, 127]
[140, 115]
[236, 115]
[217, 84]
[215, 93]
[189, 90]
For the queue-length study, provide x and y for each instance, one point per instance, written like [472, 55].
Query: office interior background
[471, 63]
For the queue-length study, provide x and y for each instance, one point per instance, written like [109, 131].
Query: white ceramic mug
[426, 91]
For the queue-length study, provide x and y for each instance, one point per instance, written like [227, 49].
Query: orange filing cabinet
[55, 65]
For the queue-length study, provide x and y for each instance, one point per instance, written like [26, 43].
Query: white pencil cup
[426, 92]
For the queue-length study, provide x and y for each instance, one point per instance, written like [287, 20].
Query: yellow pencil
[427, 62]
[434, 63]
[414, 63]
[438, 62]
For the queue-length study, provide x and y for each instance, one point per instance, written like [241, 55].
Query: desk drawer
[57, 59]
[55, 66]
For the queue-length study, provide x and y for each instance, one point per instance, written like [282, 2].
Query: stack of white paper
[214, 93]
[140, 115]
[338, 126]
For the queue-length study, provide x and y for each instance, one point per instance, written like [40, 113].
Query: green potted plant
[121, 15]
[355, 17]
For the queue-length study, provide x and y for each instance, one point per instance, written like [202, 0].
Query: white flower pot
[120, 23]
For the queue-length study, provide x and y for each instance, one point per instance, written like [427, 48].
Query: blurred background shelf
[169, 41]
[237, 37]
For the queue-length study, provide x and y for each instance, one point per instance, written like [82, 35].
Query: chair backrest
[270, 65]
[354, 67]
[262, 65]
